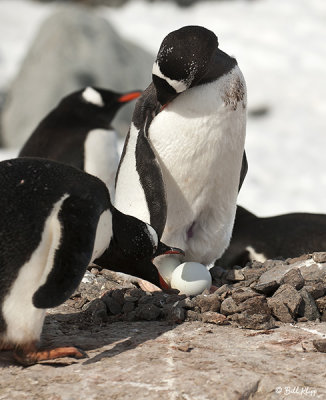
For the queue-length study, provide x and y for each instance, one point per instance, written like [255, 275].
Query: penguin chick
[54, 221]
[277, 237]
[193, 118]
[78, 132]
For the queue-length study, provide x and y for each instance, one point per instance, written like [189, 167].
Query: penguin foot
[30, 355]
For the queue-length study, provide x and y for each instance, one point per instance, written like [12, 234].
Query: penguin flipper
[78, 218]
[244, 170]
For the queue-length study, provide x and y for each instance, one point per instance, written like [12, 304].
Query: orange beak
[129, 96]
[163, 284]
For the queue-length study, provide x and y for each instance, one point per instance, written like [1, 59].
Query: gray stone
[223, 290]
[229, 306]
[186, 303]
[205, 303]
[177, 314]
[321, 304]
[212, 317]
[313, 273]
[242, 294]
[319, 257]
[254, 314]
[217, 272]
[285, 303]
[274, 273]
[308, 306]
[74, 48]
[316, 290]
[147, 312]
[267, 288]
[320, 345]
[114, 307]
[128, 307]
[235, 275]
[293, 278]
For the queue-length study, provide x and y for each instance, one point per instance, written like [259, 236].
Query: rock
[293, 278]
[235, 275]
[275, 272]
[320, 345]
[177, 315]
[308, 306]
[223, 290]
[242, 294]
[73, 48]
[269, 264]
[301, 258]
[97, 310]
[285, 303]
[267, 288]
[321, 304]
[214, 318]
[205, 303]
[313, 273]
[148, 312]
[114, 307]
[253, 273]
[254, 314]
[217, 272]
[186, 303]
[316, 290]
[128, 307]
[229, 306]
[319, 257]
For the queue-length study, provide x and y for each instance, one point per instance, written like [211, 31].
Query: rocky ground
[260, 335]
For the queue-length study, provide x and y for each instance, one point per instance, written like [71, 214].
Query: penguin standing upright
[78, 132]
[54, 221]
[192, 118]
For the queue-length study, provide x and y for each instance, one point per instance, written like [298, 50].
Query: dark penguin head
[133, 246]
[187, 57]
[96, 104]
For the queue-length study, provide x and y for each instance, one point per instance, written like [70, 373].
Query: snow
[281, 48]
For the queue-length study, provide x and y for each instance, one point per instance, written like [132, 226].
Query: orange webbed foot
[29, 356]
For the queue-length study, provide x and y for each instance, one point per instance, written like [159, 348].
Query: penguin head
[182, 61]
[133, 246]
[99, 104]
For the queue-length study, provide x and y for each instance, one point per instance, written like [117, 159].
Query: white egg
[166, 265]
[191, 278]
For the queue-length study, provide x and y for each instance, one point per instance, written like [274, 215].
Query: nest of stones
[258, 296]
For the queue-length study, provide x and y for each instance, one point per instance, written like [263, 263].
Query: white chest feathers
[101, 156]
[199, 139]
[24, 321]
[130, 196]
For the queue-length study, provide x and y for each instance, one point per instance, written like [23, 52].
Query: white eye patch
[92, 96]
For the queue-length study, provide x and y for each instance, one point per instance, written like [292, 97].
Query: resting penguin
[78, 132]
[277, 237]
[190, 123]
[54, 221]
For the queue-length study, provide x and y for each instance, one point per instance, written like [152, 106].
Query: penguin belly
[101, 157]
[23, 320]
[199, 141]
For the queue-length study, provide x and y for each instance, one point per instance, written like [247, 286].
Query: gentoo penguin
[277, 237]
[78, 132]
[190, 123]
[54, 221]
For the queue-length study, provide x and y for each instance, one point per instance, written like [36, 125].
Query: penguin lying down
[54, 221]
[281, 236]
